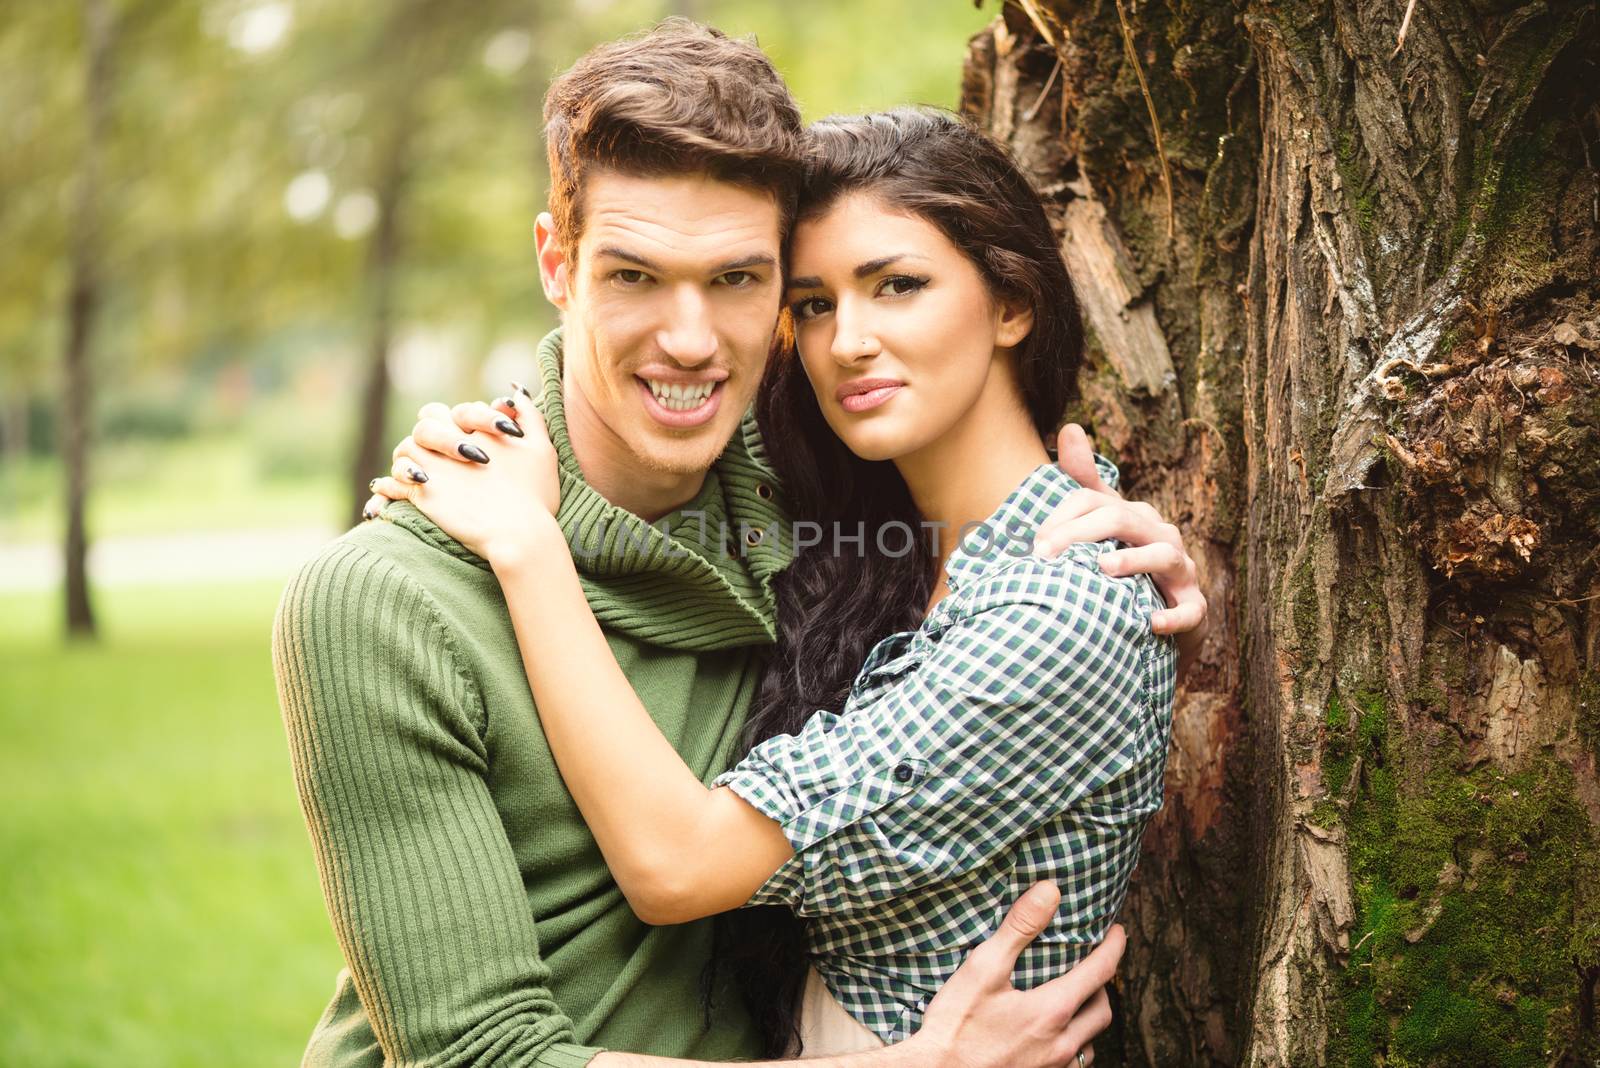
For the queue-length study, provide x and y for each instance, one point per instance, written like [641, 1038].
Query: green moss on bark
[1589, 712]
[1303, 603]
[1476, 905]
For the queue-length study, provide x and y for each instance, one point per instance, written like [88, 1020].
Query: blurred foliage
[246, 142]
[158, 904]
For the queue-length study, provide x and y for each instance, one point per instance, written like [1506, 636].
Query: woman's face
[896, 328]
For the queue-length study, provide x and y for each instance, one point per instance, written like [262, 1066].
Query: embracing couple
[758, 685]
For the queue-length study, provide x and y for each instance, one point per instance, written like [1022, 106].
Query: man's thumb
[1076, 457]
[1030, 915]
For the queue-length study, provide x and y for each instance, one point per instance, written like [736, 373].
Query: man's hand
[1155, 547]
[979, 1020]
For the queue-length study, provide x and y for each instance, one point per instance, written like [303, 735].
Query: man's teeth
[681, 398]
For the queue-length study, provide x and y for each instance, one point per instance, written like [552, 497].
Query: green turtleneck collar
[688, 581]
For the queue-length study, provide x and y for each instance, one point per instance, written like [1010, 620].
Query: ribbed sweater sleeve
[386, 739]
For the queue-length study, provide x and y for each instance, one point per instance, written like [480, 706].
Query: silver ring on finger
[1081, 1062]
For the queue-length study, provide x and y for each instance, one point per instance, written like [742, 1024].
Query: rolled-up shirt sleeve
[1027, 702]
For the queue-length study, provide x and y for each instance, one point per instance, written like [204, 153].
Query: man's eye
[738, 279]
[900, 284]
[629, 277]
[809, 308]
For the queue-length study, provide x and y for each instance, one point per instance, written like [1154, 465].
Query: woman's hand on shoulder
[487, 474]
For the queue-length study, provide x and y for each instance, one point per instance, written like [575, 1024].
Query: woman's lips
[866, 394]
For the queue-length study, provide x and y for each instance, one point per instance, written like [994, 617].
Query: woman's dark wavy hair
[833, 608]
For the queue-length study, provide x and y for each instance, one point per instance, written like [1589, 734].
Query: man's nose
[689, 336]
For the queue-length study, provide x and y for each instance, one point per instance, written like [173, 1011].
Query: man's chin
[684, 457]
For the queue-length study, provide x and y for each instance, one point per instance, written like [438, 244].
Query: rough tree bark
[1346, 321]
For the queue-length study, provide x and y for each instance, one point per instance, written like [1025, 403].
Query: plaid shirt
[1019, 734]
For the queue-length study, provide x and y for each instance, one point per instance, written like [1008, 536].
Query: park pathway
[196, 558]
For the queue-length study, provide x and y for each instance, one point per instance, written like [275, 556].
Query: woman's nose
[853, 339]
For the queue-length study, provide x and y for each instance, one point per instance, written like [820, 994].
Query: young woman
[949, 719]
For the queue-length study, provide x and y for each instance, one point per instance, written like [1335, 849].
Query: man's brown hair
[678, 99]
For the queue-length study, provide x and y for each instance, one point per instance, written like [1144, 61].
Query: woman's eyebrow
[865, 270]
[872, 267]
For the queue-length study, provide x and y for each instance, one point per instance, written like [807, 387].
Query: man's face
[670, 311]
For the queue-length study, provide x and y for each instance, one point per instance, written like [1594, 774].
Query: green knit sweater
[478, 921]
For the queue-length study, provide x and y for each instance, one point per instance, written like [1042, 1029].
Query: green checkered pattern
[1019, 734]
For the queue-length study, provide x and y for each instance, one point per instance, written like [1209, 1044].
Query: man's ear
[1014, 322]
[553, 266]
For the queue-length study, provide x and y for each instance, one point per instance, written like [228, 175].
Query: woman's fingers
[517, 403]
[434, 410]
[437, 440]
[533, 423]
[373, 506]
[478, 417]
[405, 469]
[446, 439]
[392, 489]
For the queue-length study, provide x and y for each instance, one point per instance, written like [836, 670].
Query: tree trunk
[383, 261]
[1346, 321]
[15, 426]
[82, 310]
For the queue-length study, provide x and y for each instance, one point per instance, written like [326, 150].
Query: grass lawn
[158, 904]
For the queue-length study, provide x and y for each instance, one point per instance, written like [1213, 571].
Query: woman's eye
[901, 284]
[809, 308]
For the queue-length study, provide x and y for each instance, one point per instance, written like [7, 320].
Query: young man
[475, 913]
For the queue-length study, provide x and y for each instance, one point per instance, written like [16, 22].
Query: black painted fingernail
[369, 513]
[372, 487]
[509, 402]
[417, 474]
[506, 426]
[473, 453]
[522, 389]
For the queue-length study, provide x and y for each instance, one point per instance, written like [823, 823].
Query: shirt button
[903, 772]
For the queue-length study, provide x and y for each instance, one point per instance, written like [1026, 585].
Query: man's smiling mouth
[680, 398]
[683, 405]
